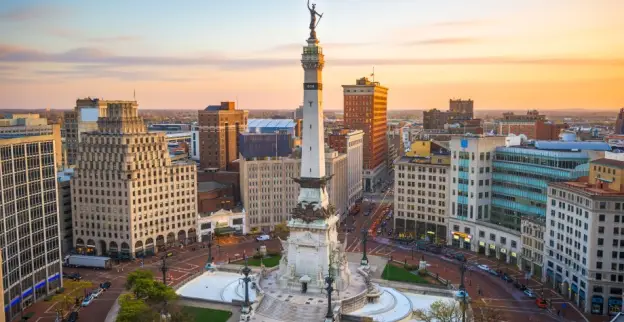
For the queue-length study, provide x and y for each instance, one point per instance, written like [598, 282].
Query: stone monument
[313, 248]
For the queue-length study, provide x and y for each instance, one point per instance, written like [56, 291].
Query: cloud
[444, 41]
[95, 56]
[78, 36]
[461, 23]
[29, 12]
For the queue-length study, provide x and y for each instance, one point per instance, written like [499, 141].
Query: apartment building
[129, 198]
[532, 255]
[269, 193]
[29, 231]
[584, 251]
[470, 192]
[421, 196]
[219, 126]
[19, 125]
[82, 119]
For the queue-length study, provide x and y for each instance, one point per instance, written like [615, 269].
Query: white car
[97, 292]
[263, 237]
[87, 300]
[483, 267]
[529, 293]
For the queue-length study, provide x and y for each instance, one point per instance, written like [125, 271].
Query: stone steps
[272, 309]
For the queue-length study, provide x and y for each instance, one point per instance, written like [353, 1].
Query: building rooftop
[418, 160]
[610, 163]
[571, 146]
[586, 188]
[65, 175]
[209, 186]
[234, 211]
[281, 123]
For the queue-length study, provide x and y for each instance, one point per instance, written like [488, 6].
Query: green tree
[441, 311]
[134, 310]
[140, 274]
[67, 299]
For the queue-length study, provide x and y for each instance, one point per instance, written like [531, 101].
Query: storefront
[573, 292]
[456, 242]
[492, 253]
[614, 305]
[467, 244]
[582, 300]
[558, 283]
[481, 248]
[503, 255]
[597, 304]
[459, 237]
[513, 259]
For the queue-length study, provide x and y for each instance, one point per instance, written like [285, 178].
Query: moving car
[541, 303]
[529, 293]
[263, 237]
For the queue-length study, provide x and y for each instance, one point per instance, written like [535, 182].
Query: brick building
[219, 126]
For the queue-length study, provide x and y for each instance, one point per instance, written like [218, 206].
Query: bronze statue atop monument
[313, 21]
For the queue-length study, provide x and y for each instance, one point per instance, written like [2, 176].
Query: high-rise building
[336, 165]
[365, 109]
[129, 198]
[219, 126]
[460, 111]
[82, 119]
[584, 257]
[421, 195]
[2, 316]
[65, 210]
[19, 125]
[351, 143]
[29, 231]
[471, 188]
[532, 254]
[619, 122]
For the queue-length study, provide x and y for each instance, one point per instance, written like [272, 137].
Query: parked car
[73, 317]
[507, 278]
[87, 300]
[541, 303]
[97, 292]
[484, 267]
[493, 272]
[460, 257]
[516, 284]
[72, 276]
[263, 237]
[106, 285]
[529, 293]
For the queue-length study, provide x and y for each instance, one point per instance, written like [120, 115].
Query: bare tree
[484, 313]
[441, 311]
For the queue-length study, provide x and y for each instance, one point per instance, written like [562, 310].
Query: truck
[100, 262]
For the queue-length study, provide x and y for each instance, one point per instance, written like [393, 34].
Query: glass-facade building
[520, 180]
[29, 230]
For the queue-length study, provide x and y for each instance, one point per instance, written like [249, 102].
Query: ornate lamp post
[364, 261]
[329, 317]
[164, 268]
[210, 259]
[246, 309]
[462, 270]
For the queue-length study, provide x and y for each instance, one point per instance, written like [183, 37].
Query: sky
[516, 55]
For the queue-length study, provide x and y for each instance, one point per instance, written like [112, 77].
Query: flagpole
[373, 74]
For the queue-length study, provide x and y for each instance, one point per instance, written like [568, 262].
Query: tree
[72, 290]
[441, 311]
[140, 274]
[485, 313]
[134, 310]
[281, 228]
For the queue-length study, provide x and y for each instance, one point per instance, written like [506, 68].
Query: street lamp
[164, 268]
[246, 309]
[364, 261]
[210, 259]
[329, 317]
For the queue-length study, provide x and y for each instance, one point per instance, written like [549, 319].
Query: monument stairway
[280, 310]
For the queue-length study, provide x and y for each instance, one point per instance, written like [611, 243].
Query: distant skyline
[556, 54]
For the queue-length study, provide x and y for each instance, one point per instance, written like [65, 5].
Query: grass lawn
[397, 273]
[268, 262]
[205, 314]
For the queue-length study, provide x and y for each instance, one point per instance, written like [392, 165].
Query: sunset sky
[554, 54]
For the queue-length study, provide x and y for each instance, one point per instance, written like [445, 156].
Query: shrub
[410, 267]
[257, 255]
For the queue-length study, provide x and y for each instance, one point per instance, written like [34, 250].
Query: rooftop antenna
[373, 74]
[134, 95]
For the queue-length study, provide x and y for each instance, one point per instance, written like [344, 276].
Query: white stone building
[493, 240]
[584, 249]
[421, 196]
[532, 255]
[82, 119]
[129, 198]
[355, 160]
[221, 222]
[338, 187]
[471, 186]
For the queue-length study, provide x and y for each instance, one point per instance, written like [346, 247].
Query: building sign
[513, 254]
[464, 144]
[503, 251]
[492, 246]
[222, 224]
[482, 243]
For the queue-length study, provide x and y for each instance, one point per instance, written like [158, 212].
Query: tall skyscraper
[19, 125]
[365, 108]
[29, 229]
[619, 123]
[129, 198]
[82, 119]
[219, 126]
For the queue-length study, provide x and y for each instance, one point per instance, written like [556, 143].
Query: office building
[82, 119]
[219, 126]
[459, 111]
[619, 122]
[65, 210]
[521, 175]
[169, 128]
[532, 254]
[194, 145]
[262, 145]
[128, 197]
[365, 109]
[421, 196]
[213, 196]
[471, 185]
[269, 193]
[29, 231]
[2, 316]
[532, 125]
[19, 125]
[352, 144]
[584, 253]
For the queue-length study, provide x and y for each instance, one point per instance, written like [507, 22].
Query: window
[598, 265]
[601, 218]
[600, 241]
[601, 230]
[599, 253]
